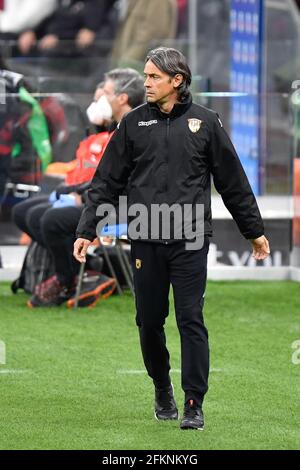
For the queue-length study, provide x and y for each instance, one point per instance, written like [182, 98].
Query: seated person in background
[73, 20]
[14, 113]
[78, 169]
[18, 19]
[53, 224]
[9, 116]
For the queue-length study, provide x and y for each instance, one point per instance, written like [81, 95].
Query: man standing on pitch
[164, 153]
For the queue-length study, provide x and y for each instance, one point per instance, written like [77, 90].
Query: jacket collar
[178, 109]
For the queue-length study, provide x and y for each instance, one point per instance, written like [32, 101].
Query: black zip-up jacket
[169, 158]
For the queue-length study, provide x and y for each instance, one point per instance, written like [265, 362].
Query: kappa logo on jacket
[147, 123]
[194, 124]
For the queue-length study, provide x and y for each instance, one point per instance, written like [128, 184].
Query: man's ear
[123, 97]
[178, 80]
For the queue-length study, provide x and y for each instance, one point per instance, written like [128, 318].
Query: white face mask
[100, 110]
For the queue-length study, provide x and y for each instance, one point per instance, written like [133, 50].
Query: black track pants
[156, 266]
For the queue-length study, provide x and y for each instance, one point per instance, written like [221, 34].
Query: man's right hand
[50, 41]
[261, 248]
[26, 41]
[80, 248]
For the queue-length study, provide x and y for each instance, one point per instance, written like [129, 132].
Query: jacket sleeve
[95, 12]
[108, 183]
[72, 188]
[232, 183]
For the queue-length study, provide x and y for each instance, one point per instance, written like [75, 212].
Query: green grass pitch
[75, 379]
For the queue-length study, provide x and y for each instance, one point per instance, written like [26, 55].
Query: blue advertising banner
[246, 83]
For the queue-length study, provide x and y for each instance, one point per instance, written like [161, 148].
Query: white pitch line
[12, 371]
[176, 371]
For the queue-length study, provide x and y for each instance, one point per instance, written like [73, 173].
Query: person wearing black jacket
[83, 22]
[164, 152]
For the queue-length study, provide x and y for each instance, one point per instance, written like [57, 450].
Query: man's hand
[80, 248]
[85, 38]
[261, 248]
[50, 41]
[26, 41]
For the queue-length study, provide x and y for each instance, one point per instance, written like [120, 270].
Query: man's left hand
[85, 38]
[261, 248]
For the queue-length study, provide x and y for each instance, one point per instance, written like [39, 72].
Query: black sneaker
[50, 294]
[192, 416]
[165, 406]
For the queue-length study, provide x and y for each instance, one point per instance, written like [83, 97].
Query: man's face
[159, 85]
[114, 100]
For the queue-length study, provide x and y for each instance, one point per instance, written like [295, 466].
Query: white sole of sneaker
[192, 429]
[170, 419]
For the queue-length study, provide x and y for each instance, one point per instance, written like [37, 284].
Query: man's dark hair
[172, 62]
[128, 81]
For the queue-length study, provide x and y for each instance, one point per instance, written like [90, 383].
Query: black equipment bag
[38, 265]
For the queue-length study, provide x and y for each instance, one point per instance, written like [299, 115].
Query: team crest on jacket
[194, 124]
[138, 263]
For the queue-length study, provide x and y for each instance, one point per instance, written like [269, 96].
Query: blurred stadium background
[244, 59]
